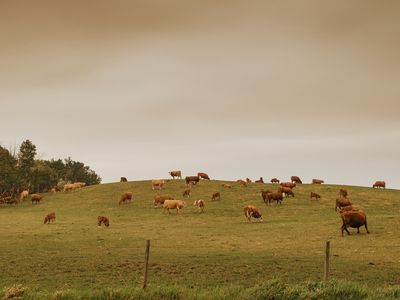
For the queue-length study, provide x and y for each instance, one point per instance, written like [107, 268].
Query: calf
[103, 220]
[275, 180]
[127, 196]
[342, 202]
[216, 196]
[174, 204]
[35, 198]
[51, 217]
[252, 211]
[353, 219]
[200, 204]
[314, 195]
[187, 193]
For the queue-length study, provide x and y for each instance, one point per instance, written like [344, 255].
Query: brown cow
[123, 179]
[203, 175]
[157, 183]
[296, 179]
[379, 184]
[275, 180]
[286, 190]
[252, 211]
[174, 204]
[353, 219]
[261, 180]
[51, 217]
[216, 196]
[242, 182]
[9, 200]
[343, 193]
[288, 184]
[192, 179]
[317, 181]
[264, 195]
[200, 204]
[127, 196]
[277, 196]
[342, 202]
[225, 185]
[159, 199]
[314, 195]
[35, 198]
[176, 173]
[248, 180]
[187, 193]
[103, 220]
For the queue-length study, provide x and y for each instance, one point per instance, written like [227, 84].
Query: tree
[26, 161]
[8, 172]
[43, 177]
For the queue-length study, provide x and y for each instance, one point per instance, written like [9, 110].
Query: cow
[159, 199]
[288, 184]
[35, 198]
[157, 183]
[242, 182]
[125, 197]
[123, 179]
[286, 190]
[216, 196]
[252, 211]
[314, 195]
[74, 186]
[343, 193]
[261, 180]
[176, 173]
[23, 195]
[277, 196]
[51, 217]
[225, 185]
[275, 180]
[174, 204]
[187, 193]
[9, 200]
[317, 181]
[296, 179]
[379, 184]
[353, 219]
[342, 202]
[200, 204]
[264, 195]
[103, 220]
[203, 175]
[248, 180]
[192, 179]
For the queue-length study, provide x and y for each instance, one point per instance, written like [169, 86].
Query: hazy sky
[233, 88]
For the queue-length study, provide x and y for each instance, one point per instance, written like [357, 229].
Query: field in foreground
[196, 251]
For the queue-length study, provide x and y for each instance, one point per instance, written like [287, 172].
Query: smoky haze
[235, 88]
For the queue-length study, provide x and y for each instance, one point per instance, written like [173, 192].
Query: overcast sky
[233, 88]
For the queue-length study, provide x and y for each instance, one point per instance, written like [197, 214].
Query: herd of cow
[351, 217]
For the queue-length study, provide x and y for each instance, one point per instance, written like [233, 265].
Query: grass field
[196, 251]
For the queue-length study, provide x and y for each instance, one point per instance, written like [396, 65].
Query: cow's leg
[358, 229]
[177, 211]
[365, 224]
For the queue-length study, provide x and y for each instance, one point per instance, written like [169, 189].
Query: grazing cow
[353, 219]
[379, 184]
[203, 175]
[225, 185]
[296, 179]
[252, 211]
[261, 180]
[277, 196]
[123, 179]
[314, 195]
[275, 180]
[157, 183]
[159, 199]
[35, 198]
[176, 173]
[216, 196]
[192, 179]
[288, 184]
[174, 204]
[200, 204]
[242, 182]
[127, 196]
[264, 195]
[342, 202]
[343, 193]
[103, 220]
[286, 190]
[23, 195]
[187, 193]
[317, 181]
[74, 186]
[51, 217]
[248, 180]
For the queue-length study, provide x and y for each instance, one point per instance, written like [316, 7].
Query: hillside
[192, 249]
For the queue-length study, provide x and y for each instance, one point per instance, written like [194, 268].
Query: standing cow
[353, 219]
[203, 175]
[275, 180]
[379, 184]
[176, 173]
[317, 181]
[296, 179]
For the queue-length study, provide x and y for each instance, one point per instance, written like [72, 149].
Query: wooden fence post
[327, 255]
[146, 263]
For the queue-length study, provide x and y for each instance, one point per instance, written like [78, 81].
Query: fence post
[146, 263]
[327, 255]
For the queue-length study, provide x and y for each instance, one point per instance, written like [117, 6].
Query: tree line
[22, 171]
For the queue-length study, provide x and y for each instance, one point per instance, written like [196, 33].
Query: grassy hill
[192, 250]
